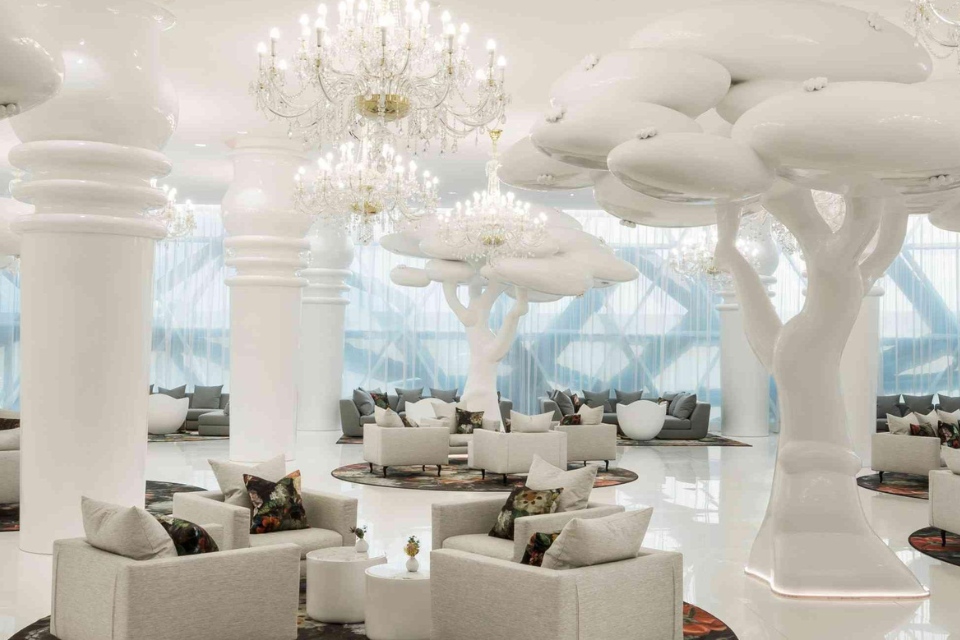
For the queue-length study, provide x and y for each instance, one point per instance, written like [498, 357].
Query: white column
[87, 265]
[321, 337]
[744, 381]
[267, 248]
[859, 372]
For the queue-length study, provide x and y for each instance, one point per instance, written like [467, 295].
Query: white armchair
[330, 517]
[945, 502]
[465, 525]
[401, 446]
[166, 414]
[904, 454]
[246, 594]
[9, 476]
[506, 453]
[587, 442]
[640, 598]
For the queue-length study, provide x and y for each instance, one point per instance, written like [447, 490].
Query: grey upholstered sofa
[352, 422]
[216, 425]
[900, 406]
[693, 428]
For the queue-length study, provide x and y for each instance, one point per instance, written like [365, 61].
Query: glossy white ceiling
[210, 56]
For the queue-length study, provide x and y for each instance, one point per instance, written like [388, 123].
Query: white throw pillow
[577, 484]
[901, 426]
[949, 418]
[931, 419]
[590, 416]
[126, 531]
[10, 439]
[585, 542]
[230, 477]
[951, 457]
[522, 423]
[417, 411]
[387, 418]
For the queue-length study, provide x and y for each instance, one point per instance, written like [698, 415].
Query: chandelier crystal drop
[936, 25]
[492, 225]
[179, 220]
[382, 74]
[353, 192]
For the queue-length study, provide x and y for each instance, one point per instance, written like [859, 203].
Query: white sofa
[465, 525]
[506, 453]
[401, 446]
[9, 477]
[905, 454]
[330, 516]
[244, 594]
[474, 597]
[587, 442]
[945, 502]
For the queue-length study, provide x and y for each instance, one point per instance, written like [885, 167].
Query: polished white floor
[708, 503]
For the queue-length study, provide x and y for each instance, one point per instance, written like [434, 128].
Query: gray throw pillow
[125, 531]
[594, 399]
[447, 395]
[686, 403]
[404, 395]
[178, 392]
[364, 401]
[919, 404]
[674, 398]
[945, 403]
[628, 397]
[10, 440]
[887, 404]
[229, 476]
[564, 402]
[206, 397]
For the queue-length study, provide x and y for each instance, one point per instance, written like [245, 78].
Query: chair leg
[423, 468]
[607, 462]
[504, 479]
[943, 538]
[371, 467]
[881, 477]
[483, 474]
[384, 472]
[439, 467]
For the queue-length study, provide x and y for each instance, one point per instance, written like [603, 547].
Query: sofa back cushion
[595, 399]
[364, 401]
[683, 405]
[564, 401]
[947, 403]
[206, 397]
[919, 404]
[177, 392]
[888, 404]
[407, 395]
[229, 476]
[593, 541]
[447, 395]
[628, 397]
[130, 532]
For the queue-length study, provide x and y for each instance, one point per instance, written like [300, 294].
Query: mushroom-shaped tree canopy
[567, 262]
[32, 68]
[824, 98]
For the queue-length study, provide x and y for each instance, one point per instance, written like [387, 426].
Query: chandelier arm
[508, 330]
[466, 316]
[890, 237]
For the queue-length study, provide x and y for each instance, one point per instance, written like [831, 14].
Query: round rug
[182, 437]
[697, 625]
[898, 484]
[928, 542]
[159, 501]
[456, 476]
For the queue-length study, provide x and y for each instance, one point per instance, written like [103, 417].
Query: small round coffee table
[398, 604]
[336, 583]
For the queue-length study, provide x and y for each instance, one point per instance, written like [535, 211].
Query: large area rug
[928, 542]
[897, 484]
[697, 625]
[159, 501]
[456, 476]
[710, 440]
[183, 437]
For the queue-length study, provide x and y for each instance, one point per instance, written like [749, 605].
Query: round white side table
[336, 584]
[398, 604]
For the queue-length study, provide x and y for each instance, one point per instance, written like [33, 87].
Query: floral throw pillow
[538, 545]
[924, 430]
[380, 399]
[9, 423]
[524, 502]
[949, 435]
[573, 418]
[188, 538]
[277, 506]
[467, 421]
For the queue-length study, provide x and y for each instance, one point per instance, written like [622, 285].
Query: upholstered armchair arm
[350, 418]
[549, 405]
[461, 518]
[525, 527]
[332, 512]
[209, 507]
[9, 476]
[700, 420]
[372, 447]
[466, 588]
[648, 590]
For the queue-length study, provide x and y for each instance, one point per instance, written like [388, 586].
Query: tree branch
[508, 330]
[761, 323]
[467, 316]
[860, 224]
[890, 236]
[484, 302]
[794, 207]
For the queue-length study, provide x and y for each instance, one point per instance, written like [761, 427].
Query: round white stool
[398, 604]
[336, 584]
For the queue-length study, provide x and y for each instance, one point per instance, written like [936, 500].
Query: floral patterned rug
[928, 542]
[456, 476]
[697, 625]
[710, 440]
[159, 501]
[898, 484]
[183, 437]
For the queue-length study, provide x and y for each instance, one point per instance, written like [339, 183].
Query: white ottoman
[336, 583]
[642, 419]
[398, 604]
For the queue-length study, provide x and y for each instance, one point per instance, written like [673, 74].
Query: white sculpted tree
[566, 262]
[887, 146]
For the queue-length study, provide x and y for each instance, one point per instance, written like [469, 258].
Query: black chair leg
[943, 538]
[881, 477]
[439, 467]
[423, 467]
[483, 474]
[384, 472]
[607, 462]
[371, 467]
[504, 478]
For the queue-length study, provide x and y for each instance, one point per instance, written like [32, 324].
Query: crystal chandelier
[178, 219]
[492, 225]
[352, 192]
[832, 209]
[936, 28]
[694, 257]
[383, 74]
